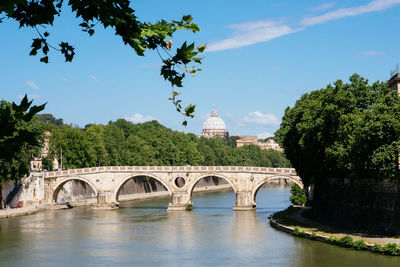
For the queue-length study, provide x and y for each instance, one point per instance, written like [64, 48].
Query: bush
[332, 240]
[313, 235]
[359, 245]
[298, 196]
[377, 248]
[346, 241]
[47, 164]
[297, 232]
[391, 249]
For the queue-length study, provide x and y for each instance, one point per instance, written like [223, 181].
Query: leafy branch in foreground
[118, 15]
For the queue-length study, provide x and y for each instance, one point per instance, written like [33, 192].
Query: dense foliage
[49, 118]
[298, 197]
[347, 130]
[20, 138]
[124, 143]
[119, 16]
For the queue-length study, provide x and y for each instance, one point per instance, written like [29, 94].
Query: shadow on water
[211, 208]
[145, 208]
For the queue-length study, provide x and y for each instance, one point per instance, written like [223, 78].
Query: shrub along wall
[362, 205]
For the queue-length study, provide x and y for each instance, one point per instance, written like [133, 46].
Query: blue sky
[262, 56]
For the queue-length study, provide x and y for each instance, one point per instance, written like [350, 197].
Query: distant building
[394, 81]
[253, 140]
[246, 140]
[36, 162]
[270, 144]
[214, 126]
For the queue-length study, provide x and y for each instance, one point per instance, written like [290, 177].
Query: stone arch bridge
[107, 181]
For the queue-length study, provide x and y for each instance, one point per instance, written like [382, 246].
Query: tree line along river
[144, 233]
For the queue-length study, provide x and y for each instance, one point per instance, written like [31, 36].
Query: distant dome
[214, 126]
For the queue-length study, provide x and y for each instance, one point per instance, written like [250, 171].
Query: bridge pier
[106, 201]
[180, 201]
[244, 201]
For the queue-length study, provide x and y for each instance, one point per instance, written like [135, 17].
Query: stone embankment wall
[360, 205]
[31, 193]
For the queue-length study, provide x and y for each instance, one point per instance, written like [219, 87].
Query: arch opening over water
[137, 186]
[287, 180]
[74, 189]
[206, 183]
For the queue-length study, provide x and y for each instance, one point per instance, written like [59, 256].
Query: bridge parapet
[177, 169]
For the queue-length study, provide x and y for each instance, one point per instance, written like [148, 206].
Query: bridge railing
[285, 171]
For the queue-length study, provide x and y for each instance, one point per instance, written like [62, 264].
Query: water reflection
[144, 233]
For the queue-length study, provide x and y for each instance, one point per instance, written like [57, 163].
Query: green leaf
[201, 48]
[45, 59]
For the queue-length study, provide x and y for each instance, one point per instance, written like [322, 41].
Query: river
[144, 233]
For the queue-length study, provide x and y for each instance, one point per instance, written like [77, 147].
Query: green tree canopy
[124, 143]
[49, 118]
[20, 139]
[345, 130]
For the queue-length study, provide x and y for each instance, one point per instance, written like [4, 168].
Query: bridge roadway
[107, 181]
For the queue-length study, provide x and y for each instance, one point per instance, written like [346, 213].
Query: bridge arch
[132, 176]
[60, 185]
[196, 180]
[272, 178]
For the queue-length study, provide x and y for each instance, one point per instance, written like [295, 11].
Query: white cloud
[31, 84]
[139, 118]
[372, 53]
[264, 135]
[258, 117]
[251, 33]
[29, 96]
[265, 30]
[373, 6]
[93, 77]
[323, 6]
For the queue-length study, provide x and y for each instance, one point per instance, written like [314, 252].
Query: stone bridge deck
[107, 181]
[284, 171]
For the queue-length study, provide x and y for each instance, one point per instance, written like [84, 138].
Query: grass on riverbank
[304, 227]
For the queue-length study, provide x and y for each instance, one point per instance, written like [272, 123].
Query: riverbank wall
[360, 205]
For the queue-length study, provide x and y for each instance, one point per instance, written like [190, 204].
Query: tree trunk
[1, 198]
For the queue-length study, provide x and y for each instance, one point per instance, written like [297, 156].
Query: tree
[150, 143]
[20, 138]
[49, 118]
[47, 164]
[119, 16]
[298, 197]
[345, 130]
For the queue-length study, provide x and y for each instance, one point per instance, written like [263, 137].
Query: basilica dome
[214, 126]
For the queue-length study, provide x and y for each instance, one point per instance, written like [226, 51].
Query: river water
[144, 233]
